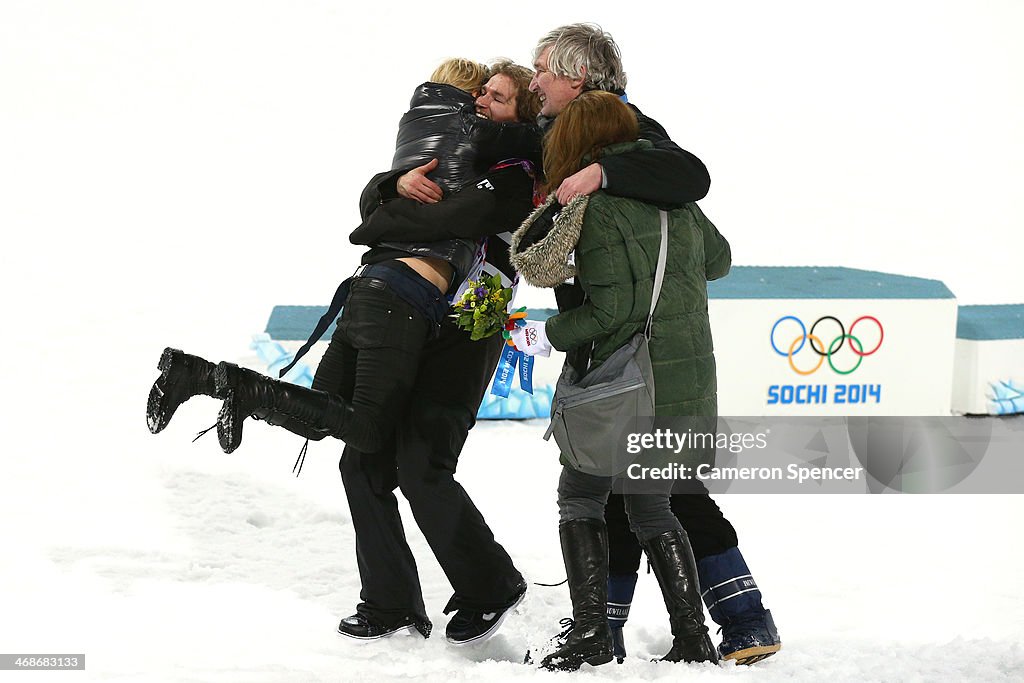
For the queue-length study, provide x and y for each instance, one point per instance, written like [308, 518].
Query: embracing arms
[495, 203]
[666, 175]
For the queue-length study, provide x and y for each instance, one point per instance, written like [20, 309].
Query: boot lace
[204, 432]
[554, 642]
[301, 460]
[567, 625]
[551, 585]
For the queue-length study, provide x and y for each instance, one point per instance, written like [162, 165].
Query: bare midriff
[434, 270]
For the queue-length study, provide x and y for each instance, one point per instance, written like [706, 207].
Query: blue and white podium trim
[989, 378]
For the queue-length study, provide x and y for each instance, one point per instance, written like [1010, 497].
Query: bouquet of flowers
[482, 308]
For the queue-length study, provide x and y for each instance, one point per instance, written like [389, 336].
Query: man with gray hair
[568, 61]
[579, 57]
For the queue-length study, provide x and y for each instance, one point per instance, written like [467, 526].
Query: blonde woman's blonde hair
[464, 74]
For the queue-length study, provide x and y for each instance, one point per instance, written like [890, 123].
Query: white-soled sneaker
[470, 626]
[358, 627]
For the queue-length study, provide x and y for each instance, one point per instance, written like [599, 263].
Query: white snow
[166, 560]
[169, 172]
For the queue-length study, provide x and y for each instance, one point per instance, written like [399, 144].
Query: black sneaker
[470, 626]
[358, 627]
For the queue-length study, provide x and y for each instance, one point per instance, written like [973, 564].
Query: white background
[170, 171]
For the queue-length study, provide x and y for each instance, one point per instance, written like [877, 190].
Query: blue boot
[620, 598]
[734, 602]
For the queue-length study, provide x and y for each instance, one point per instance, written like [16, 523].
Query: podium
[819, 341]
[832, 342]
[989, 375]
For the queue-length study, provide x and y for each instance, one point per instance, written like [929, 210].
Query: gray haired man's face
[555, 91]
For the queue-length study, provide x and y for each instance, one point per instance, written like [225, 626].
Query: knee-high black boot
[182, 376]
[672, 560]
[308, 412]
[585, 552]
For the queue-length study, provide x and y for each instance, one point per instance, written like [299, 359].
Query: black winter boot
[309, 412]
[672, 560]
[585, 552]
[182, 376]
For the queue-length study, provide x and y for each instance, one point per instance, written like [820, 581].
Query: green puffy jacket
[615, 259]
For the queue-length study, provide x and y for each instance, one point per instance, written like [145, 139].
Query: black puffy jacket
[442, 124]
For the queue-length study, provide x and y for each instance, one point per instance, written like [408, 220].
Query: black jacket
[494, 203]
[442, 124]
[667, 176]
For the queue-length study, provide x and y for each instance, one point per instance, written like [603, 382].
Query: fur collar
[540, 247]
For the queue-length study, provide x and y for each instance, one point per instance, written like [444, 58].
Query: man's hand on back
[586, 181]
[416, 185]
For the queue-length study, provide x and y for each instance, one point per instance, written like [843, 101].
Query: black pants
[372, 360]
[426, 388]
[709, 531]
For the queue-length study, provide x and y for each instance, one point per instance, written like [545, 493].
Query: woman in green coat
[616, 242]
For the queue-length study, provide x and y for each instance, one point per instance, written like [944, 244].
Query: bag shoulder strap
[659, 274]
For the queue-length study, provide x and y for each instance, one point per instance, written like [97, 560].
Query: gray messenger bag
[590, 417]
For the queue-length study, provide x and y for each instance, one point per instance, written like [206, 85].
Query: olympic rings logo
[823, 351]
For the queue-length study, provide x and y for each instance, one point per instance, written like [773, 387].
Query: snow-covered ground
[161, 559]
[170, 171]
